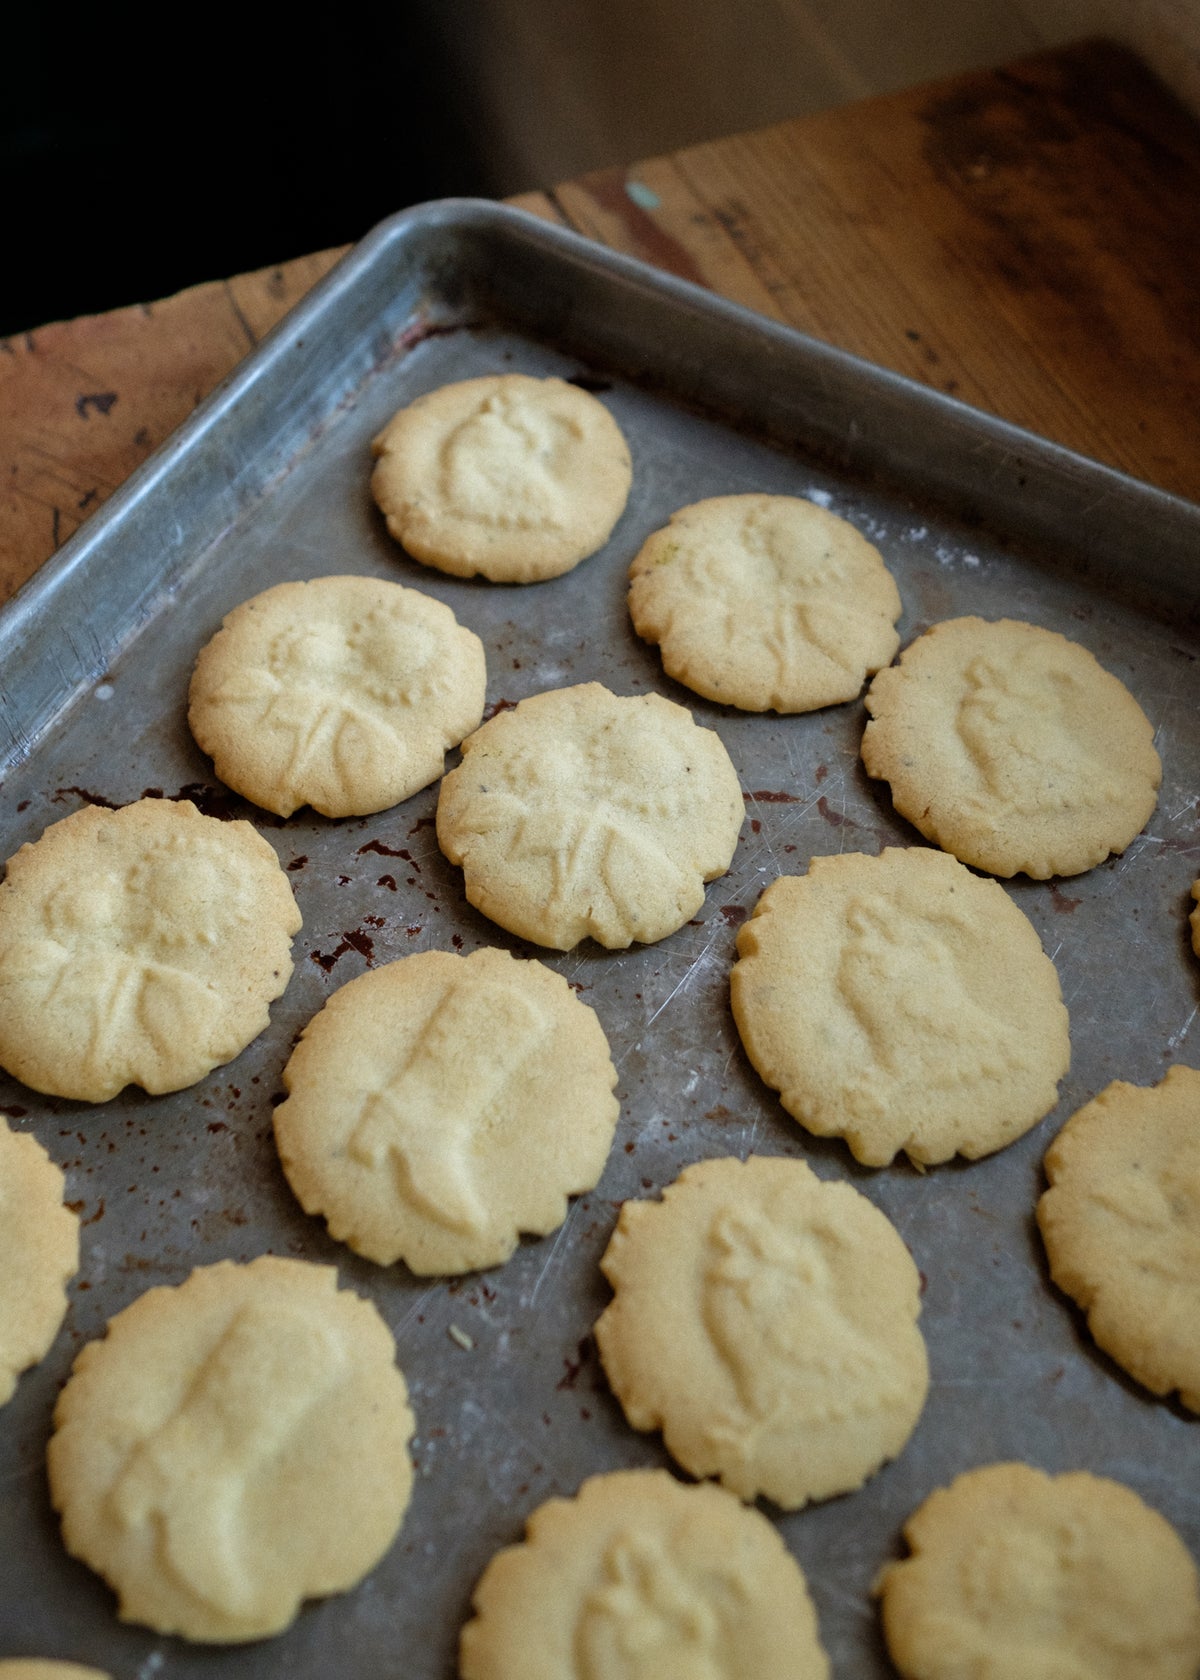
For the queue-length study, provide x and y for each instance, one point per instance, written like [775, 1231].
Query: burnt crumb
[766, 796]
[835, 819]
[755, 826]
[421, 822]
[353, 939]
[1061, 902]
[498, 706]
[22, 804]
[379, 847]
[573, 1369]
[733, 914]
[14, 1111]
[820, 774]
[388, 881]
[152, 793]
[217, 1126]
[86, 795]
[298, 862]
[456, 939]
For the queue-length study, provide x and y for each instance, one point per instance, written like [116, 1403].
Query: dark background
[144, 152]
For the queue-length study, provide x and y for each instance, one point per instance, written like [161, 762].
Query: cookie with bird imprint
[766, 1322]
[1012, 748]
[903, 1003]
[1121, 1225]
[509, 477]
[641, 1576]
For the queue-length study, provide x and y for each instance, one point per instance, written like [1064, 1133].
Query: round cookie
[46, 1668]
[232, 1447]
[441, 1105]
[1016, 1574]
[643, 1577]
[766, 1322]
[580, 813]
[902, 1003]
[765, 602]
[342, 693]
[1121, 1225]
[139, 946]
[39, 1254]
[512, 477]
[1010, 747]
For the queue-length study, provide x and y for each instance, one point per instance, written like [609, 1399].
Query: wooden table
[1027, 239]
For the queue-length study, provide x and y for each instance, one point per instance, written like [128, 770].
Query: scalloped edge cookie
[233, 1446]
[1012, 748]
[768, 603]
[507, 476]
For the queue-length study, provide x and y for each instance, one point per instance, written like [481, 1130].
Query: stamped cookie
[902, 1003]
[512, 477]
[765, 602]
[139, 946]
[1015, 1574]
[1010, 747]
[580, 813]
[45, 1668]
[641, 1577]
[766, 1322]
[39, 1254]
[232, 1447]
[440, 1106]
[342, 693]
[1121, 1224]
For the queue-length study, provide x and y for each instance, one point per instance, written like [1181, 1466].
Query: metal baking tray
[268, 481]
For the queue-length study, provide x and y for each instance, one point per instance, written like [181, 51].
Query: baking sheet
[269, 482]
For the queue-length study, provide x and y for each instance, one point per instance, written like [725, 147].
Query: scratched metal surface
[164, 1184]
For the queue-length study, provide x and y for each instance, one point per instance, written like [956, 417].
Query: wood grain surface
[1026, 239]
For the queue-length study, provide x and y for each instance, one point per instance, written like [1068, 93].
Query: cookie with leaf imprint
[139, 946]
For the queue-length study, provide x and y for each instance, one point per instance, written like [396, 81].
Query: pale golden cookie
[140, 946]
[46, 1668]
[902, 1003]
[39, 1254]
[641, 1578]
[343, 694]
[508, 476]
[1121, 1224]
[766, 1322]
[765, 602]
[1016, 1575]
[232, 1447]
[440, 1106]
[581, 814]
[1009, 746]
